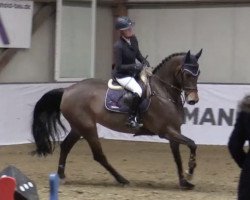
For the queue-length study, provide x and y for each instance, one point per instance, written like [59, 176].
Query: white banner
[208, 122]
[16, 106]
[15, 23]
[211, 120]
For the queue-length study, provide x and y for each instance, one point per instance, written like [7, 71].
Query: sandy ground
[148, 166]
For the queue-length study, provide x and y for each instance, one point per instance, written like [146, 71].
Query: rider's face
[127, 33]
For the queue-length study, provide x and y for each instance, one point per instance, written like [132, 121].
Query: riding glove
[138, 67]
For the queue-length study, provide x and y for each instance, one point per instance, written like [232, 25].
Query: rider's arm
[237, 139]
[138, 54]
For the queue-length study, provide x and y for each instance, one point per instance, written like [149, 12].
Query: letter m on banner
[191, 115]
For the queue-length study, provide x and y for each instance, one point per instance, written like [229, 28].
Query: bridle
[181, 71]
[188, 68]
[186, 90]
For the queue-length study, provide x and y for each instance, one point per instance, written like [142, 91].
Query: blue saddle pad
[114, 102]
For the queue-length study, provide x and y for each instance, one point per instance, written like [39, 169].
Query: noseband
[191, 69]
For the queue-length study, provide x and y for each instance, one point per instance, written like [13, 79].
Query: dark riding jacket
[125, 56]
[239, 136]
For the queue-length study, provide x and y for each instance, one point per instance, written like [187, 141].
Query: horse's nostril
[191, 102]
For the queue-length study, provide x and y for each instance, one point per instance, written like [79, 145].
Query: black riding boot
[134, 118]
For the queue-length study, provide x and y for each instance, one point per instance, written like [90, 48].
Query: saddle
[116, 99]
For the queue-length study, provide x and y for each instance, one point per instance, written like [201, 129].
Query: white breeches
[130, 84]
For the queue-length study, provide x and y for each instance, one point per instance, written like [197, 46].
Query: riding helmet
[123, 23]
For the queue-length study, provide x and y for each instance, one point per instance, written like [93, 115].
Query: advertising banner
[209, 122]
[15, 23]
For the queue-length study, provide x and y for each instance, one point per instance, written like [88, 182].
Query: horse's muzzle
[192, 98]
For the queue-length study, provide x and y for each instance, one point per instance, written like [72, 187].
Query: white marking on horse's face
[192, 98]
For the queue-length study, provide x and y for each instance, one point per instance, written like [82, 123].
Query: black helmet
[123, 23]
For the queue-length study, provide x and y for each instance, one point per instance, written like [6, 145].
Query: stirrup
[133, 123]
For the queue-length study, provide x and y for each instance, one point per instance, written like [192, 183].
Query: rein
[185, 89]
[170, 86]
[187, 67]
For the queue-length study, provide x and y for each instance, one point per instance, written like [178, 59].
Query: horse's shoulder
[244, 104]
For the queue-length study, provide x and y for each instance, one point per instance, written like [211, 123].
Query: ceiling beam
[129, 2]
[151, 3]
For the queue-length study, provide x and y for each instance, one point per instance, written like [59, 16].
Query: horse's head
[190, 73]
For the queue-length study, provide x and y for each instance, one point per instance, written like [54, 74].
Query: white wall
[37, 63]
[76, 41]
[222, 32]
[104, 43]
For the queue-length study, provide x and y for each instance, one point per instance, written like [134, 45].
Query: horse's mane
[166, 60]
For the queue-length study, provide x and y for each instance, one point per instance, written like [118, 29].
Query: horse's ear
[197, 56]
[188, 59]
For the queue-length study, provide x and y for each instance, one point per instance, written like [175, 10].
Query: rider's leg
[130, 84]
[134, 115]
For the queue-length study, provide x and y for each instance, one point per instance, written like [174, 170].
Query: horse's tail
[46, 115]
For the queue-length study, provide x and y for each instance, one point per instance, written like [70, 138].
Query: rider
[126, 69]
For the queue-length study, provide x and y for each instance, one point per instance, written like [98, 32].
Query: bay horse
[172, 82]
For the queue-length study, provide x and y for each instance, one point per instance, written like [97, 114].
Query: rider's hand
[138, 67]
[146, 63]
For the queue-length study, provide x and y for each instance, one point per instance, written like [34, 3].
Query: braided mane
[166, 60]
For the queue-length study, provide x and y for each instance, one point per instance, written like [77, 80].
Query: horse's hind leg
[66, 146]
[95, 145]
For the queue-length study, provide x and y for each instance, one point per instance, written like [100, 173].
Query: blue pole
[54, 185]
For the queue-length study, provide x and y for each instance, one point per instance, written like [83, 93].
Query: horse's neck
[167, 72]
[165, 81]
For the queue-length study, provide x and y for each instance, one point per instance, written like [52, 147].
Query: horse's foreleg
[192, 158]
[95, 145]
[66, 146]
[177, 157]
[192, 146]
[175, 139]
[192, 161]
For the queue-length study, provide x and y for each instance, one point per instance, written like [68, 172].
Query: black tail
[45, 118]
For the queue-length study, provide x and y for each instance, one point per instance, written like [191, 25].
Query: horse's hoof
[185, 185]
[189, 176]
[123, 181]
